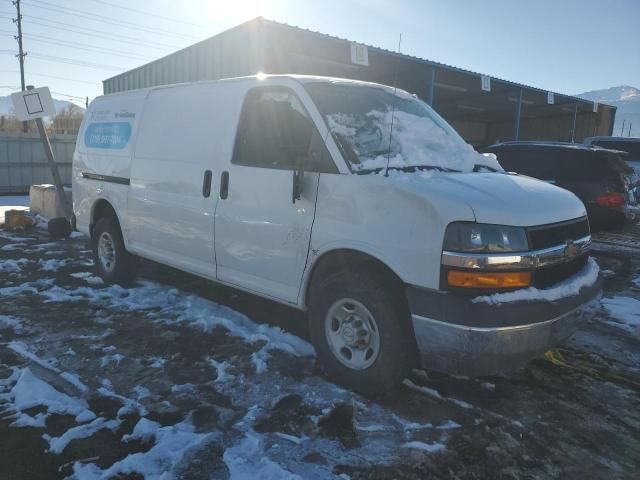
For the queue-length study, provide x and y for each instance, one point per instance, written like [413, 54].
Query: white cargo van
[349, 200]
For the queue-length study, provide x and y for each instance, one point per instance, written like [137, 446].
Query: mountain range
[6, 107]
[627, 99]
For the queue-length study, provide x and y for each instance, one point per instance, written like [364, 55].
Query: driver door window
[275, 131]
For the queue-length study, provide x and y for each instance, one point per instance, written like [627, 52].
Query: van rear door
[262, 236]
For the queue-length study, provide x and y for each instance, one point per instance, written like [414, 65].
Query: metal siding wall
[230, 54]
[23, 162]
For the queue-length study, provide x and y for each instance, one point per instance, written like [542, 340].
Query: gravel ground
[180, 375]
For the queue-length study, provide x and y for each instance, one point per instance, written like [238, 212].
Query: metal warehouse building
[483, 109]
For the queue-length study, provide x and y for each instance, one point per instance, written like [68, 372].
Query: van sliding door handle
[224, 185]
[206, 184]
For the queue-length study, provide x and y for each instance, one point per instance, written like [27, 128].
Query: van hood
[504, 199]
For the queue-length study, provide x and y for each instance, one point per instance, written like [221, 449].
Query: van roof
[258, 78]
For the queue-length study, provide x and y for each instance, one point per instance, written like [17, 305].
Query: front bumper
[456, 336]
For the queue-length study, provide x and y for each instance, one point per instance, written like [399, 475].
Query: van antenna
[393, 109]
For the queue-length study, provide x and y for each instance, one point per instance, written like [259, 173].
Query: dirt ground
[180, 375]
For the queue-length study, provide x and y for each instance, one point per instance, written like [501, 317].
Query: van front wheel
[114, 263]
[360, 331]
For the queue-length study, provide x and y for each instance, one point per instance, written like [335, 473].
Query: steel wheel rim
[352, 334]
[107, 252]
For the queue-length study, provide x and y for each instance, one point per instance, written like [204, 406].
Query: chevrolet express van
[349, 200]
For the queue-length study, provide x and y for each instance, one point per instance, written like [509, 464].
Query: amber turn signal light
[456, 278]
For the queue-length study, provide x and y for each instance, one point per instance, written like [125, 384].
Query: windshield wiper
[407, 169]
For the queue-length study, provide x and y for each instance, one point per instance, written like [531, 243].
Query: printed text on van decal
[111, 135]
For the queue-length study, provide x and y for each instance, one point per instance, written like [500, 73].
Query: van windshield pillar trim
[106, 178]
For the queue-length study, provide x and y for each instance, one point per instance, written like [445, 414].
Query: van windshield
[359, 118]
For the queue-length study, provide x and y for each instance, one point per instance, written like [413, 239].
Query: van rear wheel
[114, 263]
[360, 331]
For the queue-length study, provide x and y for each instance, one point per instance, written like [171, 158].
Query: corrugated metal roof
[425, 61]
[372, 47]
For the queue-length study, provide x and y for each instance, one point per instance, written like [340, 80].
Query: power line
[149, 14]
[97, 33]
[44, 75]
[89, 48]
[70, 61]
[104, 19]
[68, 95]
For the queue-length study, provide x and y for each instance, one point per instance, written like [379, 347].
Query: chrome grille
[555, 234]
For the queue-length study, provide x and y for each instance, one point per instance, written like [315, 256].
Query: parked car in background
[599, 177]
[630, 145]
[295, 189]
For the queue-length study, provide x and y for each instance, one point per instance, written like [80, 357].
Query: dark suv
[630, 145]
[599, 177]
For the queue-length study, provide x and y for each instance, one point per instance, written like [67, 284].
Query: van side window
[275, 131]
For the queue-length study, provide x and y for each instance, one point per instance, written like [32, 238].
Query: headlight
[479, 237]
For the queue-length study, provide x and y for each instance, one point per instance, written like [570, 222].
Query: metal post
[432, 86]
[21, 53]
[518, 111]
[630, 123]
[622, 129]
[573, 123]
[57, 180]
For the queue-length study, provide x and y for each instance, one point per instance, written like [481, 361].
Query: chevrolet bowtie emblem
[571, 249]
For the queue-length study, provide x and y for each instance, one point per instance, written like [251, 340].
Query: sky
[567, 46]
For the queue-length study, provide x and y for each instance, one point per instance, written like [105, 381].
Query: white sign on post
[550, 98]
[485, 83]
[359, 54]
[32, 104]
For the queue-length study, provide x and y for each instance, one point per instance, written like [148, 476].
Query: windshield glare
[360, 119]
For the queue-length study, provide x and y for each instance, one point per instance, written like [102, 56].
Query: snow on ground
[171, 443]
[184, 387]
[625, 312]
[30, 391]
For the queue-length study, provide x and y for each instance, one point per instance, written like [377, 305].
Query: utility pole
[21, 53]
[622, 129]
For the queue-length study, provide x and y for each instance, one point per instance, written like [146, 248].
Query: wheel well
[101, 208]
[346, 260]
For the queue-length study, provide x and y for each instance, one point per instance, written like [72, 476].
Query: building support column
[573, 123]
[516, 130]
[432, 86]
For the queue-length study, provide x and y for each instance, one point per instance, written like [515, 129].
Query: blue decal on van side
[110, 135]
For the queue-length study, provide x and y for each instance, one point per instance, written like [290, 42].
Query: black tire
[124, 266]
[59, 227]
[382, 298]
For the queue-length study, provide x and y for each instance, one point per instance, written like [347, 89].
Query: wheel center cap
[348, 335]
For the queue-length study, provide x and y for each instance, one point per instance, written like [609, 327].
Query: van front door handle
[224, 185]
[206, 184]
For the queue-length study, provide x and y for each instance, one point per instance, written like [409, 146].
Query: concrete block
[43, 200]
[17, 220]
